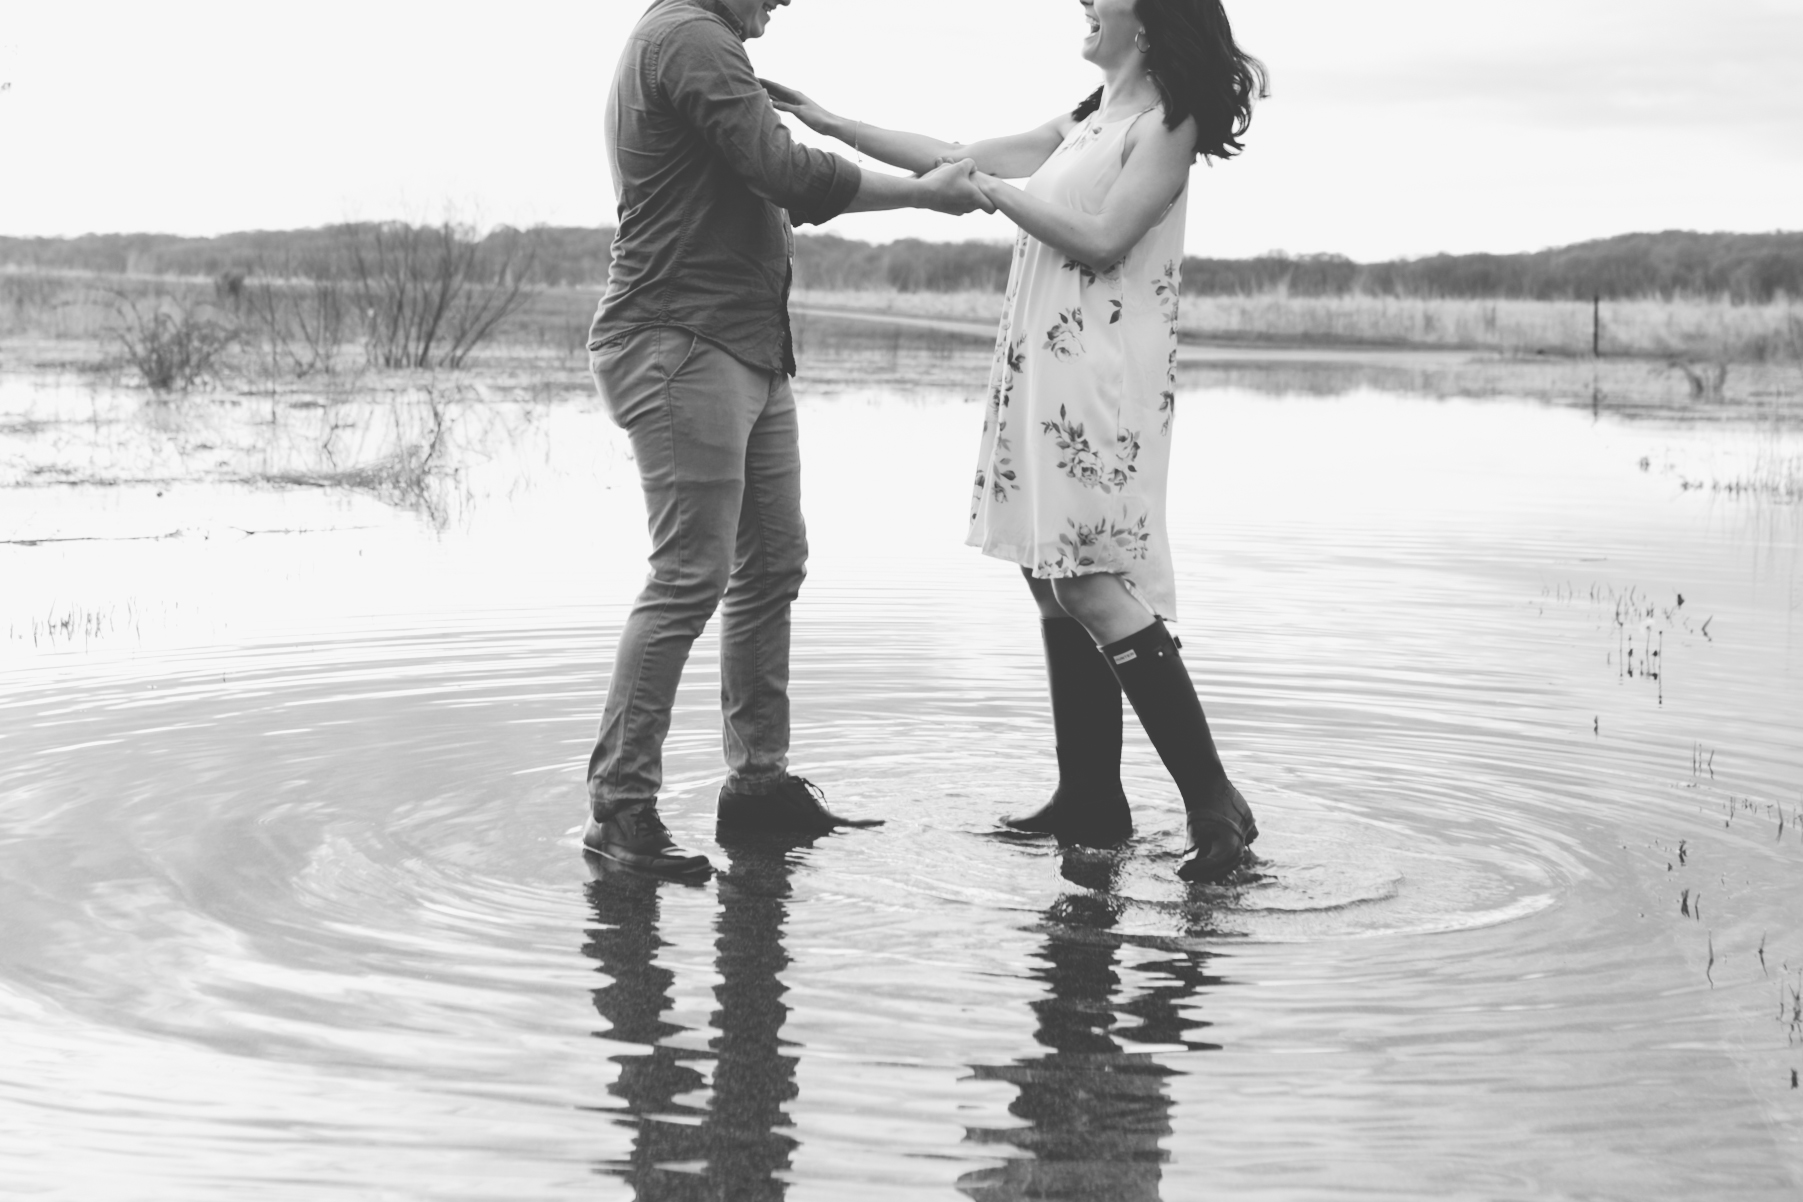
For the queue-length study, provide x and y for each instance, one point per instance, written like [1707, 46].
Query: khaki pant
[718, 456]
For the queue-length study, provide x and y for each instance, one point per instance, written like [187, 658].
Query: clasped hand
[952, 188]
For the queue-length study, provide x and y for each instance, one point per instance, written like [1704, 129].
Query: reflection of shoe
[1089, 806]
[793, 807]
[1218, 841]
[637, 838]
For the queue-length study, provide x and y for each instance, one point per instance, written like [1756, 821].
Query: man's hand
[952, 188]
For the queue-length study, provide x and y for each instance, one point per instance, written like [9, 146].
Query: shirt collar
[720, 10]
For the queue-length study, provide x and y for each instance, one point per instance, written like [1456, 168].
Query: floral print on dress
[1085, 547]
[1017, 363]
[1084, 271]
[1167, 400]
[1164, 288]
[1065, 338]
[1085, 362]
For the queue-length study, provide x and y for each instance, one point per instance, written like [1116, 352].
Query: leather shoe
[637, 838]
[793, 807]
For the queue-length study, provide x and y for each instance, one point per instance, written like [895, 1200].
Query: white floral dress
[1077, 437]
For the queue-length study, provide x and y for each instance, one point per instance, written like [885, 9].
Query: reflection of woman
[1071, 483]
[1099, 1109]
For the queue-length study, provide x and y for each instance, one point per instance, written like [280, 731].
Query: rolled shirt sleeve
[706, 76]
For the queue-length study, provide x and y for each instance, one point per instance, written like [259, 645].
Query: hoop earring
[1146, 48]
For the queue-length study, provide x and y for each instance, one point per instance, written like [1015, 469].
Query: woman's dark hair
[1199, 71]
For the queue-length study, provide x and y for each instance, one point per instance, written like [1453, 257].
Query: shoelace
[643, 825]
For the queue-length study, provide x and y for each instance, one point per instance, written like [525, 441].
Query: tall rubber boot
[1154, 679]
[1089, 807]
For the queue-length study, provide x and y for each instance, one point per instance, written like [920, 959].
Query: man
[692, 351]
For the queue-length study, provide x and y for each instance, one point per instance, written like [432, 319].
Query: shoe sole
[670, 870]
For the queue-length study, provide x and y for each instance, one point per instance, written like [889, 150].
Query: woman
[1076, 445]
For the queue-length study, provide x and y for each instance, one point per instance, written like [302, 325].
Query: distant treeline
[560, 255]
[1742, 267]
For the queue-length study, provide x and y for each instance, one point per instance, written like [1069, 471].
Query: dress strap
[1128, 132]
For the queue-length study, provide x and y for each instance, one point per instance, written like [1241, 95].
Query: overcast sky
[1395, 127]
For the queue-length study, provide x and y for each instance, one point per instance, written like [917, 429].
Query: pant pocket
[675, 347]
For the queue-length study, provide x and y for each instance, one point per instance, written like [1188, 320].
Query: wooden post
[1596, 325]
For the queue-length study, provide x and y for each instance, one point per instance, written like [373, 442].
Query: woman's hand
[952, 188]
[809, 113]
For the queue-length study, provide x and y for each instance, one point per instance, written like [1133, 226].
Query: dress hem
[1016, 555]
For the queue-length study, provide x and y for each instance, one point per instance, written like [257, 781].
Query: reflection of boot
[1098, 1113]
[1089, 806]
[1154, 678]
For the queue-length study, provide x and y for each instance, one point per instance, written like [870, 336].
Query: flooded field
[295, 696]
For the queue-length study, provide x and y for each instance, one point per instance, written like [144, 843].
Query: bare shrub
[173, 344]
[300, 323]
[1708, 381]
[431, 294]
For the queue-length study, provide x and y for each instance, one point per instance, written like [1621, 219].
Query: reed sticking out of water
[73, 624]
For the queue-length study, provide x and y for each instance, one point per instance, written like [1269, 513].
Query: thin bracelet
[856, 149]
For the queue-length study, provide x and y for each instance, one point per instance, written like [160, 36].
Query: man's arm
[703, 71]
[949, 189]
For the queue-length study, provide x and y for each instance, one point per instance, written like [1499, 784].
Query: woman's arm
[1156, 169]
[1013, 157]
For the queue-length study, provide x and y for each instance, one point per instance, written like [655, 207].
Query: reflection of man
[692, 351]
[740, 1137]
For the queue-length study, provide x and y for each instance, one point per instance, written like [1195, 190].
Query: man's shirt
[708, 180]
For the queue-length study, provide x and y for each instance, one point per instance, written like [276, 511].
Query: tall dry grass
[1701, 330]
[1691, 328]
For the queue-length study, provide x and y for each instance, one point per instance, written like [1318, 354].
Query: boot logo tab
[1126, 657]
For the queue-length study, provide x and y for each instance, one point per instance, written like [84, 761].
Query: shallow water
[295, 702]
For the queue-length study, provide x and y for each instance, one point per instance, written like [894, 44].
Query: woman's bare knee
[1043, 596]
[1102, 603]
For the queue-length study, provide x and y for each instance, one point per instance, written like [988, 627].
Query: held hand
[788, 100]
[951, 189]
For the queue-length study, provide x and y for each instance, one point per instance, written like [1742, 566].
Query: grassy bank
[1658, 356]
[1699, 330]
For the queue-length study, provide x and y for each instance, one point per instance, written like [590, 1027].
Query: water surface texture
[295, 700]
